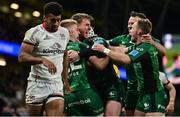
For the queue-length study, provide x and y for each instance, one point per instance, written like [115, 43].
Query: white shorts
[37, 92]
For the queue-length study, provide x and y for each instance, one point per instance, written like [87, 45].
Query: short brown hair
[80, 16]
[67, 22]
[138, 14]
[145, 25]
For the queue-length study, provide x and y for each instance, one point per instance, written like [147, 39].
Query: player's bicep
[26, 48]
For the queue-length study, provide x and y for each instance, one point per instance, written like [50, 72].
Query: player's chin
[54, 28]
[85, 35]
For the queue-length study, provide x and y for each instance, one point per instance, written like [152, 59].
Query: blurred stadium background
[111, 16]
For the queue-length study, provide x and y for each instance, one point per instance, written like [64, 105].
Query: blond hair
[68, 22]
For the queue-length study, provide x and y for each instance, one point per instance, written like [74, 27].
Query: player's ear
[139, 32]
[44, 19]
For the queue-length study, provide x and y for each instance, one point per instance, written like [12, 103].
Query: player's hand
[98, 47]
[170, 108]
[51, 67]
[73, 56]
[121, 49]
[147, 38]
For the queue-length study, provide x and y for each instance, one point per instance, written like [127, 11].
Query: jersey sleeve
[100, 40]
[139, 52]
[116, 41]
[86, 52]
[30, 36]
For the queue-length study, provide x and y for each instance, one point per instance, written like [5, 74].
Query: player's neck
[138, 41]
[74, 39]
[44, 26]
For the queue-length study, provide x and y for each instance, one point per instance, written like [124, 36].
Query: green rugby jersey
[146, 67]
[125, 40]
[77, 75]
[120, 40]
[130, 68]
[101, 76]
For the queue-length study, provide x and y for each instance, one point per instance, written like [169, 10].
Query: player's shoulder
[63, 30]
[33, 30]
[123, 36]
[98, 38]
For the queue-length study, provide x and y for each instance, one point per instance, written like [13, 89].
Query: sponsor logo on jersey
[140, 49]
[62, 36]
[47, 37]
[55, 49]
[155, 53]
[134, 53]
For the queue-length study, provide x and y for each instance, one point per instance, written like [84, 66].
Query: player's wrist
[41, 60]
[106, 51]
[170, 103]
[171, 99]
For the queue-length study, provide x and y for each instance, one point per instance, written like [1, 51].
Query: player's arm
[99, 63]
[25, 55]
[87, 52]
[65, 72]
[160, 48]
[118, 56]
[172, 96]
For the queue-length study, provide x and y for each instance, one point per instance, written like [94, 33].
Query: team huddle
[74, 71]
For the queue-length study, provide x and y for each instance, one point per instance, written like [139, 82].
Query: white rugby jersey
[48, 45]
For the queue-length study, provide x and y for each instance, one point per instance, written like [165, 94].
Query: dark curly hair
[53, 7]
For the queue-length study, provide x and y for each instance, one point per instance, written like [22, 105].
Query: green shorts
[111, 91]
[132, 97]
[152, 102]
[83, 103]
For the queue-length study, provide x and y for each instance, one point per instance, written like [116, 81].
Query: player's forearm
[99, 63]
[160, 48]
[87, 52]
[172, 93]
[65, 70]
[119, 57]
[29, 59]
[65, 67]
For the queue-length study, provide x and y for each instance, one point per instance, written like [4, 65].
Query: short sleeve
[30, 36]
[137, 53]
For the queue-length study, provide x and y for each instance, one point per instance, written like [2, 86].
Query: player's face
[134, 31]
[84, 27]
[73, 31]
[52, 22]
[131, 21]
